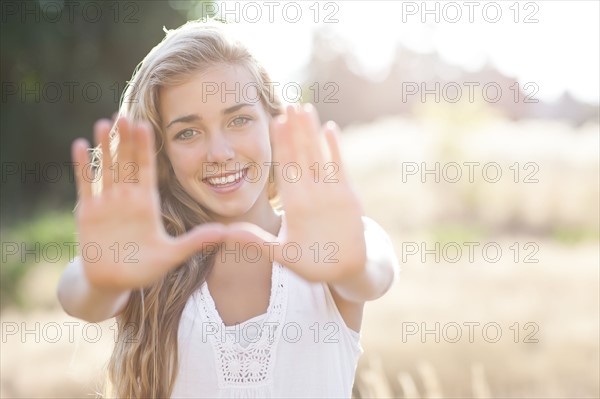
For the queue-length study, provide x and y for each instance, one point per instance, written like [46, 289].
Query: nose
[219, 150]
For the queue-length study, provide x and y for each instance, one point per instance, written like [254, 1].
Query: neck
[260, 214]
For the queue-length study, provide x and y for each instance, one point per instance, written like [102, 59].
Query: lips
[226, 179]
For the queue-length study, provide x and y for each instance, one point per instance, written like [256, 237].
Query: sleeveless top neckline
[238, 365]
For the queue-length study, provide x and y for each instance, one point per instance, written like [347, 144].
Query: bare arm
[379, 273]
[82, 300]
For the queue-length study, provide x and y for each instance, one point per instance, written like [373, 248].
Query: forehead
[209, 91]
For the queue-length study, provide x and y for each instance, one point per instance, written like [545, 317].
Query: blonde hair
[144, 361]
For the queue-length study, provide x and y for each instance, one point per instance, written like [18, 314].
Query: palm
[122, 240]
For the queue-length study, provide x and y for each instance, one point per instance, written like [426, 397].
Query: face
[217, 139]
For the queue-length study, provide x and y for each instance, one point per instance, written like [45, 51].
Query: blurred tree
[344, 93]
[63, 65]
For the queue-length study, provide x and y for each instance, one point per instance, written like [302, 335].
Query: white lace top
[300, 347]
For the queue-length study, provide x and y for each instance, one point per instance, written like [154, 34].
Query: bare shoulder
[351, 312]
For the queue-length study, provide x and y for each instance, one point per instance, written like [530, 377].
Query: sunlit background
[471, 134]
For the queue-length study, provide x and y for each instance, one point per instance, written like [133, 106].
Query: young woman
[234, 253]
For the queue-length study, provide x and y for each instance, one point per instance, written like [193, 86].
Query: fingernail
[280, 119]
[292, 108]
[100, 123]
[331, 125]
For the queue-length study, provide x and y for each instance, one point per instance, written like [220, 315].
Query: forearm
[381, 269]
[80, 299]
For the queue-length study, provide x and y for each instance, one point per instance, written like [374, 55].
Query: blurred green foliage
[573, 236]
[63, 66]
[44, 241]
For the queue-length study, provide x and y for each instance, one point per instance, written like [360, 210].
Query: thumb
[246, 233]
[205, 237]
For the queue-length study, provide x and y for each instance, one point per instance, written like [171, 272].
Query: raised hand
[322, 211]
[122, 239]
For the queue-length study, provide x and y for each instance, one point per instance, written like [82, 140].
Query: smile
[226, 180]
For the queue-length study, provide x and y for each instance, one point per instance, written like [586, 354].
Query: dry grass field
[554, 221]
[520, 323]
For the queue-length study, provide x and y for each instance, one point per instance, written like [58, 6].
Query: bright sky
[561, 51]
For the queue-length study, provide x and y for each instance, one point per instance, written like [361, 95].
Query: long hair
[144, 362]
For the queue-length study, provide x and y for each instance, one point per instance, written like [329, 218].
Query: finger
[288, 132]
[146, 159]
[79, 154]
[304, 133]
[204, 237]
[247, 233]
[314, 131]
[312, 124]
[102, 138]
[125, 152]
[332, 134]
[281, 144]
[282, 147]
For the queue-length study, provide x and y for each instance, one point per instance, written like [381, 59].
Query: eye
[240, 121]
[185, 134]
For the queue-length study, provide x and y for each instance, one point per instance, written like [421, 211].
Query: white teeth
[215, 181]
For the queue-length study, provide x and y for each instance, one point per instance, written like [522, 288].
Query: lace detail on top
[251, 365]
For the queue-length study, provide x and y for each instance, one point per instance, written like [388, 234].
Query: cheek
[263, 144]
[184, 163]
[266, 149]
[261, 153]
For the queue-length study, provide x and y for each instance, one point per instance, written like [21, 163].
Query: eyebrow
[196, 117]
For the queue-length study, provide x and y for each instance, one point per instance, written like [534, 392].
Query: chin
[233, 206]
[228, 213]
[228, 208]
